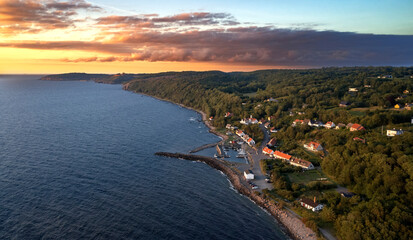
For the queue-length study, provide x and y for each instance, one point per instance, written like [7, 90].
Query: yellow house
[397, 106]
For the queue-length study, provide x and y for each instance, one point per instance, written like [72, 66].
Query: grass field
[306, 176]
[251, 95]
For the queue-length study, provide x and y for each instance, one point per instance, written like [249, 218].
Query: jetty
[293, 226]
[209, 145]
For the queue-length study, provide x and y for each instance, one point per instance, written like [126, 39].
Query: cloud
[30, 16]
[200, 37]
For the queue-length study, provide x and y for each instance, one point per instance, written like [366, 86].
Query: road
[254, 157]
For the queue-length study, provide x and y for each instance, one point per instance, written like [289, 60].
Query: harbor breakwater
[293, 226]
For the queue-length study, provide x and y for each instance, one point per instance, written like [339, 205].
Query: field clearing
[306, 176]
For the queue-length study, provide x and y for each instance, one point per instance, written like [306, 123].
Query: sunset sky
[106, 36]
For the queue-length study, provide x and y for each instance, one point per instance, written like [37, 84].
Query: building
[313, 146]
[211, 118]
[228, 114]
[385, 77]
[267, 151]
[302, 163]
[406, 91]
[347, 194]
[250, 120]
[272, 142]
[356, 127]
[408, 106]
[394, 132]
[315, 123]
[271, 100]
[344, 104]
[267, 125]
[340, 125]
[240, 133]
[251, 141]
[353, 90]
[273, 130]
[329, 125]
[312, 205]
[297, 122]
[249, 175]
[281, 155]
[398, 106]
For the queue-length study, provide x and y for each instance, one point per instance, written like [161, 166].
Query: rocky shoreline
[293, 226]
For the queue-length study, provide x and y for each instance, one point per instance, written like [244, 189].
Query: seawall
[293, 226]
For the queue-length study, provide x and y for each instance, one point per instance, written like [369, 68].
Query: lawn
[251, 95]
[306, 176]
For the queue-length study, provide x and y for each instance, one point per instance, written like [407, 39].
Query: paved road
[254, 157]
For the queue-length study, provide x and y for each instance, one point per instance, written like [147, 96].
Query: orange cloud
[29, 16]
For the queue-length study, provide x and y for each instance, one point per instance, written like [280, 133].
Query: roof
[329, 123]
[357, 126]
[267, 150]
[309, 202]
[282, 155]
[301, 162]
[314, 144]
[250, 140]
[273, 141]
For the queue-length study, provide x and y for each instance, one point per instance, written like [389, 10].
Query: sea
[77, 162]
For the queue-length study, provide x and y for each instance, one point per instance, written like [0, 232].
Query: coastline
[293, 226]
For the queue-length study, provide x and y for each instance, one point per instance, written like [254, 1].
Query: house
[302, 163]
[359, 139]
[315, 123]
[367, 86]
[406, 91]
[312, 205]
[273, 130]
[394, 132]
[340, 125]
[271, 100]
[313, 146]
[267, 151]
[281, 155]
[398, 106]
[297, 122]
[347, 194]
[249, 175]
[356, 127]
[250, 120]
[353, 90]
[240, 133]
[228, 126]
[251, 141]
[228, 114]
[408, 106]
[385, 77]
[272, 142]
[267, 125]
[262, 121]
[300, 122]
[211, 118]
[344, 104]
[329, 125]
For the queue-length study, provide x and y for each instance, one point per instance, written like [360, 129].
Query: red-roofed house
[250, 141]
[281, 155]
[313, 146]
[329, 125]
[267, 151]
[356, 127]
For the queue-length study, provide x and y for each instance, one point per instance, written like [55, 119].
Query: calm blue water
[76, 161]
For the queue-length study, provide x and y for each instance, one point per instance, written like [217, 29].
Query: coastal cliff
[293, 225]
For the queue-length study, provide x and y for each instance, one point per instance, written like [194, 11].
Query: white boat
[241, 153]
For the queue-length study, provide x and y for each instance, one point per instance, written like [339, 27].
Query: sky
[106, 36]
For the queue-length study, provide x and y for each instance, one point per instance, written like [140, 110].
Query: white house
[313, 146]
[302, 163]
[249, 175]
[248, 121]
[394, 132]
[314, 123]
[312, 205]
